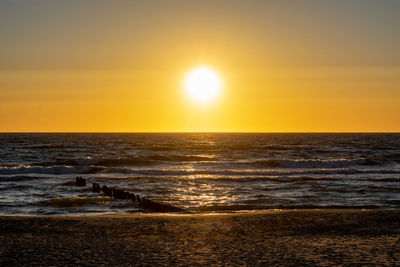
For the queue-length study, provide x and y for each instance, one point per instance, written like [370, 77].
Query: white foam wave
[313, 163]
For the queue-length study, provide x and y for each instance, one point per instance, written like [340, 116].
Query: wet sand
[323, 238]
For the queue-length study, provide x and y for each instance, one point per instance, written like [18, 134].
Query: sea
[199, 172]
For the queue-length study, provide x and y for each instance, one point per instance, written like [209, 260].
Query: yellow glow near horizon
[135, 66]
[202, 84]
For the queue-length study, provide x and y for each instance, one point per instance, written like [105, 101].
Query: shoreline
[295, 237]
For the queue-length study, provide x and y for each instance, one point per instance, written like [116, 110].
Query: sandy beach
[323, 238]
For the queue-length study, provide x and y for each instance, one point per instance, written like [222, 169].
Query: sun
[202, 84]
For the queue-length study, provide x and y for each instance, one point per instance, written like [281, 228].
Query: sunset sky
[285, 66]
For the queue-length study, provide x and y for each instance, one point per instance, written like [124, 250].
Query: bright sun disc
[202, 84]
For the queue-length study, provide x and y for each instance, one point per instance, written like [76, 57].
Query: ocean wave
[60, 202]
[254, 172]
[283, 179]
[132, 160]
[15, 187]
[238, 207]
[314, 163]
[18, 178]
[201, 173]
[290, 179]
[289, 147]
[169, 147]
[46, 146]
[245, 207]
[385, 188]
[26, 169]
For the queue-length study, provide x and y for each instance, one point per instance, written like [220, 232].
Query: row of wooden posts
[122, 194]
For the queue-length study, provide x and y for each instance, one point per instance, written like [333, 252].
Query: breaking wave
[210, 159]
[315, 163]
[26, 169]
[132, 160]
[244, 207]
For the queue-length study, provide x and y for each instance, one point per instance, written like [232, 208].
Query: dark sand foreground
[285, 238]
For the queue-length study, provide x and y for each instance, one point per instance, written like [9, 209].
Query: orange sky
[286, 66]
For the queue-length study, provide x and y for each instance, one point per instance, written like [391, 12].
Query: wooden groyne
[118, 193]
